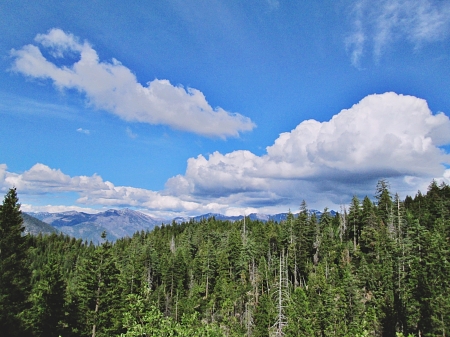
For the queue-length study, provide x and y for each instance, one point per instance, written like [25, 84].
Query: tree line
[378, 268]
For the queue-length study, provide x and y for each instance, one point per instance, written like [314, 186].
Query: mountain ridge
[125, 222]
[35, 226]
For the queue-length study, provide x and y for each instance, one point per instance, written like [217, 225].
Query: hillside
[116, 223]
[35, 226]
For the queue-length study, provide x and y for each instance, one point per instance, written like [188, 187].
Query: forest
[378, 268]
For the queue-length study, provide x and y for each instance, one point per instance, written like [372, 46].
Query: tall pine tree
[14, 274]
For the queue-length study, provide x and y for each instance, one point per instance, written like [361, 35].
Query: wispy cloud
[355, 42]
[56, 208]
[113, 87]
[12, 104]
[81, 130]
[273, 4]
[377, 25]
[130, 133]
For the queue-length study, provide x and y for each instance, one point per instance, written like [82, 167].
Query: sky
[188, 107]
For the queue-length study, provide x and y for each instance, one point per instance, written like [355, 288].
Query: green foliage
[301, 320]
[46, 316]
[14, 274]
[98, 292]
[383, 269]
[141, 319]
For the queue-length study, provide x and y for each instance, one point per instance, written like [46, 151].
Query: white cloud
[388, 135]
[81, 130]
[355, 42]
[446, 176]
[114, 88]
[236, 211]
[56, 208]
[383, 136]
[42, 179]
[376, 25]
[92, 190]
[220, 175]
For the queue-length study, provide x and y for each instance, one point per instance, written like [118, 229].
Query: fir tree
[45, 317]
[14, 274]
[98, 292]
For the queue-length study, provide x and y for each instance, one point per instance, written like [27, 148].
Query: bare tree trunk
[280, 323]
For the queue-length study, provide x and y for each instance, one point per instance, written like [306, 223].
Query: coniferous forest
[378, 268]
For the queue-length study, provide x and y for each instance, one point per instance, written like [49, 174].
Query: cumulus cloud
[92, 190]
[383, 136]
[112, 87]
[43, 179]
[220, 175]
[376, 25]
[388, 135]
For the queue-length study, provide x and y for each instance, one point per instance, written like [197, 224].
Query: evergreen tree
[46, 316]
[265, 316]
[98, 292]
[383, 270]
[354, 221]
[299, 317]
[14, 274]
[305, 238]
[384, 202]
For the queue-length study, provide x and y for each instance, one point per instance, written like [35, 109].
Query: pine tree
[265, 316]
[14, 274]
[381, 271]
[46, 315]
[384, 203]
[98, 292]
[354, 221]
[305, 237]
[299, 316]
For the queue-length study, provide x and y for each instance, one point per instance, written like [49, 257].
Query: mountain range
[119, 223]
[35, 226]
[116, 223]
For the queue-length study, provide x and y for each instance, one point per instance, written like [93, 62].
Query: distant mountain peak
[119, 223]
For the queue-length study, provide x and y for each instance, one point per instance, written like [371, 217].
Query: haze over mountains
[119, 223]
[116, 223]
[35, 226]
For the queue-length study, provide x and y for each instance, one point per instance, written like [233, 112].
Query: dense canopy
[375, 269]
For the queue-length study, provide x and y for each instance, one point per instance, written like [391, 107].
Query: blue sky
[234, 107]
